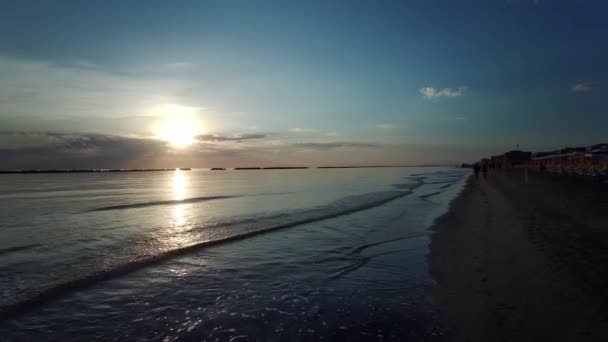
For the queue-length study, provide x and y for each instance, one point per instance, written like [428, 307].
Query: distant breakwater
[89, 170]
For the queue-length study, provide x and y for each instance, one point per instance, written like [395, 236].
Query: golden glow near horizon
[178, 125]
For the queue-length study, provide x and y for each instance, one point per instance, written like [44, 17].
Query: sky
[124, 84]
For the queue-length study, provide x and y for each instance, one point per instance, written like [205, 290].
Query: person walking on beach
[476, 168]
[484, 169]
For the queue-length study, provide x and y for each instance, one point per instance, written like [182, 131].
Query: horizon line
[118, 170]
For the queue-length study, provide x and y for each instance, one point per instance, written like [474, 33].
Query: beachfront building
[513, 158]
[585, 161]
[510, 159]
[496, 162]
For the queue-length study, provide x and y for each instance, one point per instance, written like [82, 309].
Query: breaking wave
[18, 248]
[167, 202]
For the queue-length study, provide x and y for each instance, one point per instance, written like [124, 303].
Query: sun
[176, 124]
[178, 133]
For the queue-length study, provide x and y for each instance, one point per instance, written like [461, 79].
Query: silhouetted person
[484, 169]
[476, 167]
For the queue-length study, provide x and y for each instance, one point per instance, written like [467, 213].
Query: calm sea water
[201, 255]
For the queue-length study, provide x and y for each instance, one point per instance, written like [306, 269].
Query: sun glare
[178, 133]
[176, 124]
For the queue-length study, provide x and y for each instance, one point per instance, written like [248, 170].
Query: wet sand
[524, 262]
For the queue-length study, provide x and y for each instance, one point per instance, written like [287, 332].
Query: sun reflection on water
[179, 193]
[179, 185]
[179, 217]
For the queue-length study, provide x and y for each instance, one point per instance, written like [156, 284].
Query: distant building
[597, 147]
[497, 161]
[573, 150]
[542, 154]
[513, 158]
[591, 160]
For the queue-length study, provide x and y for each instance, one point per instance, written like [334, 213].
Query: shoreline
[516, 261]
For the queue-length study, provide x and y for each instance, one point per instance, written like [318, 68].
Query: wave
[419, 181]
[406, 186]
[425, 196]
[155, 203]
[363, 247]
[418, 178]
[360, 263]
[18, 248]
[448, 172]
[345, 206]
[443, 182]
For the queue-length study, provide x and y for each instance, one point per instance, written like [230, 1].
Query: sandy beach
[524, 262]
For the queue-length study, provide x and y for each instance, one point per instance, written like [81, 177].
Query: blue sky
[343, 82]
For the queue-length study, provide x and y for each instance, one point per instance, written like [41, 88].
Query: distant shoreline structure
[373, 166]
[588, 162]
[211, 169]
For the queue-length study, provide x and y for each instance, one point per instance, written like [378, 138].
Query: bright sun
[179, 133]
[176, 124]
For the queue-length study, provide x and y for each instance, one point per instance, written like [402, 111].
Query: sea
[234, 255]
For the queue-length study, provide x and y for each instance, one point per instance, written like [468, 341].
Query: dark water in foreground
[228, 256]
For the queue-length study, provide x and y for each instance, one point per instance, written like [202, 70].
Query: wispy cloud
[53, 150]
[588, 86]
[44, 150]
[220, 138]
[333, 145]
[180, 65]
[303, 130]
[314, 132]
[80, 91]
[435, 93]
[387, 126]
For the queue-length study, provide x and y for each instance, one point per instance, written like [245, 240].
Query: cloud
[51, 150]
[588, 86]
[435, 93]
[47, 150]
[323, 146]
[315, 132]
[303, 130]
[79, 93]
[387, 126]
[238, 137]
[180, 65]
